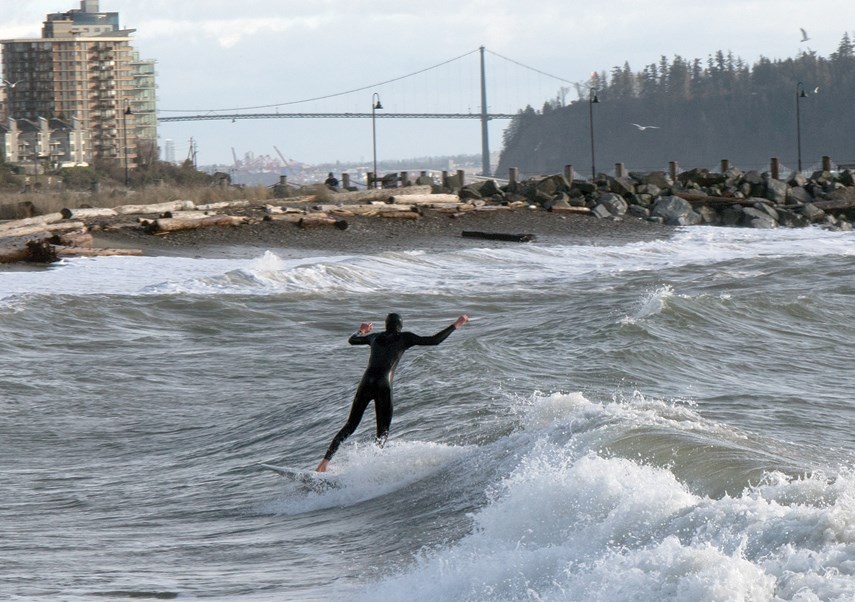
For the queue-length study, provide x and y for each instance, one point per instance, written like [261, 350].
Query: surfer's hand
[461, 321]
[366, 327]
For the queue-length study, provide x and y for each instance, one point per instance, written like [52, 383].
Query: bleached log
[49, 218]
[41, 228]
[277, 209]
[75, 238]
[424, 199]
[581, 210]
[188, 214]
[312, 221]
[14, 254]
[86, 212]
[222, 205]
[170, 224]
[156, 207]
[378, 194]
[285, 217]
[94, 252]
[368, 210]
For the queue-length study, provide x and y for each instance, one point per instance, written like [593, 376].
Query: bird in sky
[805, 37]
[646, 127]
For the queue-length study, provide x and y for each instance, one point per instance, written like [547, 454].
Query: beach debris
[499, 236]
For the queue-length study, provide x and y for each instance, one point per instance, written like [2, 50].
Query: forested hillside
[704, 111]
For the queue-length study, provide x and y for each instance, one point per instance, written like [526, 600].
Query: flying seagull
[10, 84]
[646, 127]
[805, 37]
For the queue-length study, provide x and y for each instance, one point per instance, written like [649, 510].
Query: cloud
[227, 33]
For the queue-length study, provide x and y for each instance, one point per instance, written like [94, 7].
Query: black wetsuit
[386, 350]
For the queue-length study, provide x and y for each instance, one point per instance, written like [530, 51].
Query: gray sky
[214, 55]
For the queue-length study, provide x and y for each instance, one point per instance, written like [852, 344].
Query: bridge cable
[294, 102]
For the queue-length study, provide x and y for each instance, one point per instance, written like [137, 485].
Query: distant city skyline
[219, 55]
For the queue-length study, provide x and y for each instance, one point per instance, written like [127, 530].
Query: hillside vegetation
[704, 111]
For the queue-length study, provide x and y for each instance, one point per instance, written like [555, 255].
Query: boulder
[776, 190]
[757, 218]
[812, 213]
[732, 215]
[639, 211]
[799, 195]
[675, 211]
[552, 184]
[614, 203]
[790, 219]
[659, 178]
[601, 212]
[709, 215]
[562, 199]
[623, 186]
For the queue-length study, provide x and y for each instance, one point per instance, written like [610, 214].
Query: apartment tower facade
[85, 68]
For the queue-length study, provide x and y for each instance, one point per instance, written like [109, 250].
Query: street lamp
[591, 101]
[125, 114]
[375, 105]
[800, 93]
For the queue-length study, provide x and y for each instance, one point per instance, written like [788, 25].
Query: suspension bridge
[533, 95]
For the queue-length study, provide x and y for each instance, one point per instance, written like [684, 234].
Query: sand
[432, 231]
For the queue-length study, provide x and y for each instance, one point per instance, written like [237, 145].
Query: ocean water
[665, 420]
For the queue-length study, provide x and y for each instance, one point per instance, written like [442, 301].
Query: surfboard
[303, 476]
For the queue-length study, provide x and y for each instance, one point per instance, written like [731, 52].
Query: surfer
[387, 347]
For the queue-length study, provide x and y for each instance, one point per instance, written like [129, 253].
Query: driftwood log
[156, 207]
[62, 251]
[41, 229]
[50, 218]
[424, 199]
[313, 221]
[165, 225]
[499, 236]
[86, 212]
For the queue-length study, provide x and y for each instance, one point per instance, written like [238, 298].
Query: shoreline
[432, 231]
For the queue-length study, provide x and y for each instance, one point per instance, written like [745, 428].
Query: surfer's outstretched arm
[322, 467]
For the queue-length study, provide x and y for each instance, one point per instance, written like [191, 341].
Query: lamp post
[375, 105]
[592, 99]
[800, 93]
[125, 114]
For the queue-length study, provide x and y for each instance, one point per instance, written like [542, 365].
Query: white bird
[646, 127]
[816, 90]
[10, 84]
[805, 37]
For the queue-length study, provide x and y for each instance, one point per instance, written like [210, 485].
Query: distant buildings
[78, 94]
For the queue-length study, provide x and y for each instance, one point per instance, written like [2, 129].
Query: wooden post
[513, 175]
[369, 179]
[444, 179]
[345, 181]
[775, 168]
[568, 172]
[672, 169]
[619, 170]
[405, 179]
[283, 180]
[725, 165]
[461, 177]
[826, 163]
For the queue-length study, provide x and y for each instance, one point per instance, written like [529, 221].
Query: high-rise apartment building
[84, 67]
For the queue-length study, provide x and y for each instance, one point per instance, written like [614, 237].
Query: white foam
[363, 472]
[569, 522]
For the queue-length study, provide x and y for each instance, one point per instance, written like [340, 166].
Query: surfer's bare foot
[322, 467]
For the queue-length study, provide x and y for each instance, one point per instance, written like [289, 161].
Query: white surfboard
[304, 476]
